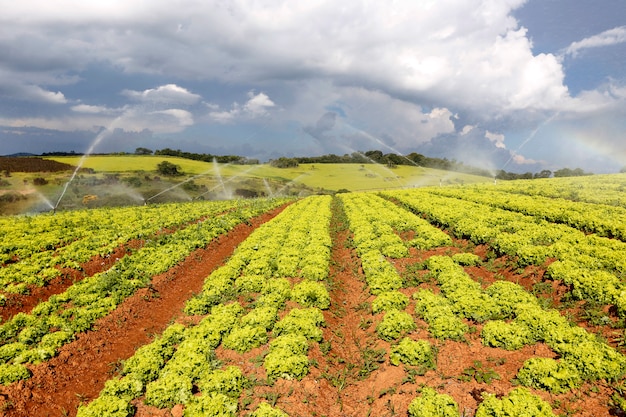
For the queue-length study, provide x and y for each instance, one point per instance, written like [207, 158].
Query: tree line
[390, 160]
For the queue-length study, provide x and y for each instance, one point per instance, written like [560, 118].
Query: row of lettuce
[270, 292]
[512, 318]
[600, 219]
[592, 265]
[33, 249]
[596, 189]
[30, 338]
[242, 304]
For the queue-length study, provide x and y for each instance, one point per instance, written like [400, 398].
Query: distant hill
[20, 154]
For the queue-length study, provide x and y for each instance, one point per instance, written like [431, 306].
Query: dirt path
[78, 373]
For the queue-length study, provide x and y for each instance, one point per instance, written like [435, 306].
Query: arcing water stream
[81, 161]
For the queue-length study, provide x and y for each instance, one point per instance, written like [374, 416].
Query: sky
[519, 85]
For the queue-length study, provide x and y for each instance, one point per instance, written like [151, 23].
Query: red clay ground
[350, 373]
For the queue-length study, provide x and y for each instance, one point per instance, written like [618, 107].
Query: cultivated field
[478, 300]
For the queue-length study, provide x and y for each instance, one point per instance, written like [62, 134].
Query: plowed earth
[350, 372]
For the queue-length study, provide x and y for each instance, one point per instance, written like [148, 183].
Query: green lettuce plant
[390, 300]
[266, 410]
[395, 324]
[509, 336]
[413, 352]
[519, 402]
[549, 374]
[432, 404]
[311, 294]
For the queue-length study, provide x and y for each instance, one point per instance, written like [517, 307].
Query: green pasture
[119, 180]
[133, 163]
[332, 177]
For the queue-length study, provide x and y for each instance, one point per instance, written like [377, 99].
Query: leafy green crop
[211, 405]
[170, 389]
[266, 410]
[432, 404]
[229, 381]
[243, 338]
[519, 402]
[390, 300]
[287, 357]
[413, 352]
[437, 311]
[509, 336]
[13, 372]
[395, 324]
[303, 322]
[549, 374]
[311, 294]
[107, 406]
[466, 259]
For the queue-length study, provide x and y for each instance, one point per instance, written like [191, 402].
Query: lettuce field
[481, 300]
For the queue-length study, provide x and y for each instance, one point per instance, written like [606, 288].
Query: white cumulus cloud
[170, 93]
[608, 37]
[256, 106]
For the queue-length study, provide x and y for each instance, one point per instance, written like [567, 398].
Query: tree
[546, 173]
[283, 162]
[376, 156]
[143, 151]
[168, 169]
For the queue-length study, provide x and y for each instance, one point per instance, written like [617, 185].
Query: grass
[353, 177]
[135, 179]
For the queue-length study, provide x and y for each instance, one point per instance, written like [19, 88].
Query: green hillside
[333, 177]
[116, 180]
